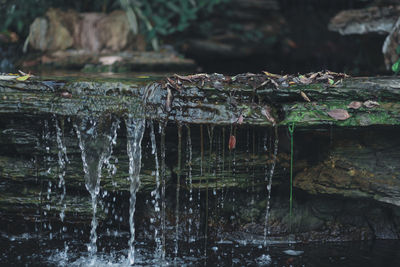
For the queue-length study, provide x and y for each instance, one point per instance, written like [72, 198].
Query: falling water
[163, 178]
[253, 176]
[62, 160]
[223, 168]
[46, 138]
[210, 130]
[189, 156]
[201, 176]
[268, 178]
[134, 132]
[156, 192]
[177, 192]
[96, 137]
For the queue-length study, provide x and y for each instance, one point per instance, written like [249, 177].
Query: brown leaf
[305, 97]
[313, 76]
[183, 78]
[339, 114]
[371, 104]
[271, 75]
[266, 111]
[355, 105]
[232, 142]
[240, 119]
[305, 80]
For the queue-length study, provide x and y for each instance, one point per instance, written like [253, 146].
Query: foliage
[166, 17]
[396, 65]
[154, 18]
[17, 15]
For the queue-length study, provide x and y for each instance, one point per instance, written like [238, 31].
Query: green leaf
[396, 67]
[331, 81]
[23, 78]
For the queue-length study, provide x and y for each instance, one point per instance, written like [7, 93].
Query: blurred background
[225, 36]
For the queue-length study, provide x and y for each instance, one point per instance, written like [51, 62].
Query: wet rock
[367, 20]
[364, 167]
[391, 44]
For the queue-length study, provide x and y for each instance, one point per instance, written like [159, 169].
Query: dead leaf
[271, 75]
[183, 78]
[305, 97]
[23, 78]
[339, 114]
[266, 111]
[304, 80]
[274, 83]
[240, 119]
[232, 142]
[313, 76]
[355, 105]
[371, 104]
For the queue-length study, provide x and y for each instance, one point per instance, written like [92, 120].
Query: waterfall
[189, 156]
[268, 179]
[178, 192]
[156, 193]
[163, 201]
[96, 136]
[62, 161]
[134, 133]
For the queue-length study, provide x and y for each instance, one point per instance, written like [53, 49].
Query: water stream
[96, 136]
[135, 130]
[62, 161]
[156, 194]
[268, 179]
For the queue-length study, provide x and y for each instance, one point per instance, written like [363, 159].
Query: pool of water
[38, 248]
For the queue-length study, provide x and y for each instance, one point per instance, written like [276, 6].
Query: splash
[134, 129]
[96, 136]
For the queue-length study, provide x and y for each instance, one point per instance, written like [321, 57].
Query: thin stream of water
[134, 134]
[163, 186]
[269, 184]
[62, 161]
[178, 192]
[96, 137]
[156, 193]
[189, 163]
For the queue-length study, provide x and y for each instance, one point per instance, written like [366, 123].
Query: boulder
[365, 165]
[361, 21]
[93, 32]
[389, 48]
